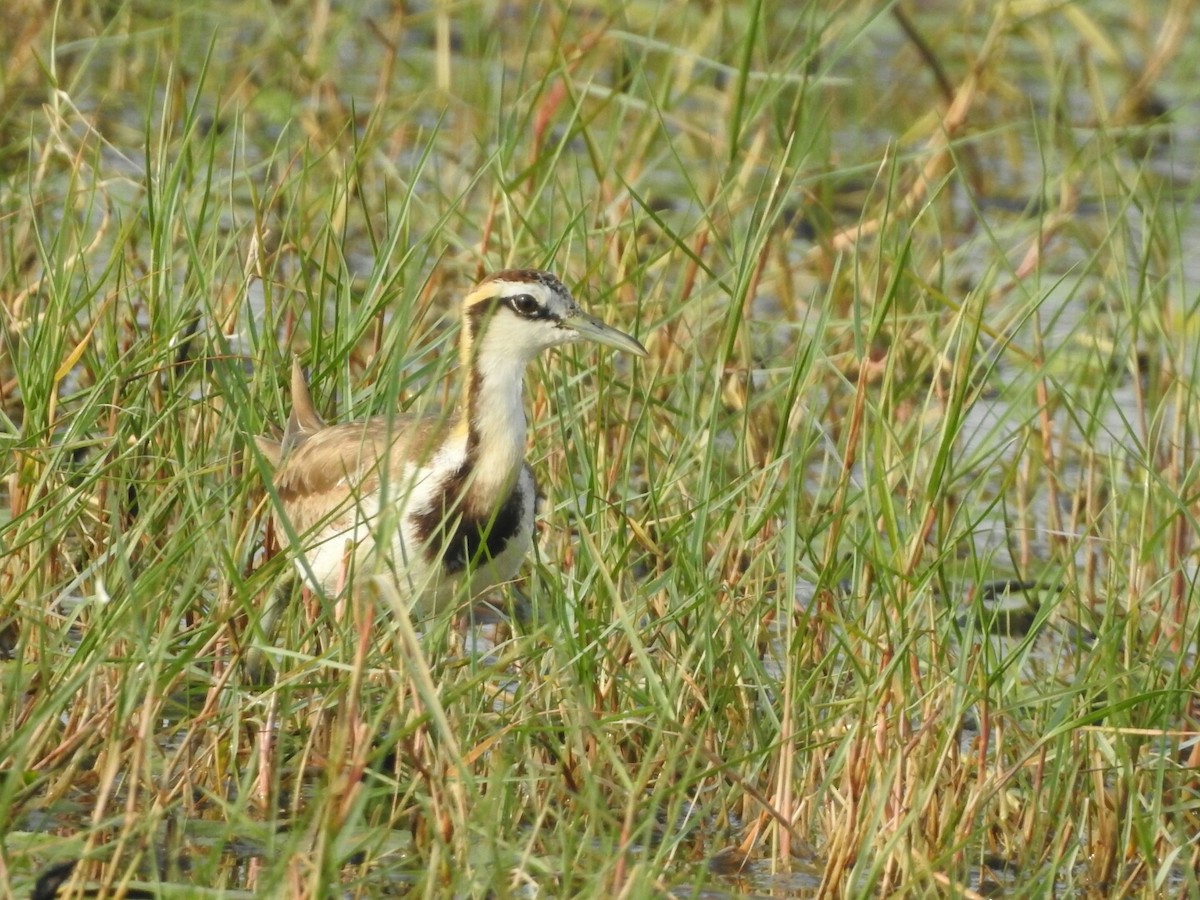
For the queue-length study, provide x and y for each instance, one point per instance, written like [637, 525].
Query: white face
[519, 313]
[522, 318]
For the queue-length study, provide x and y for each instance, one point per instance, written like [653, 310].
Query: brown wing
[324, 471]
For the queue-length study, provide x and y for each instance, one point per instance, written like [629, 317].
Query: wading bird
[441, 506]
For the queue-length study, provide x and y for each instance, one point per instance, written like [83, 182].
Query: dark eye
[525, 305]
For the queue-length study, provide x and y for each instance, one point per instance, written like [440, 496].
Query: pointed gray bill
[594, 330]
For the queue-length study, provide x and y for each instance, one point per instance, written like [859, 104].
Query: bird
[442, 507]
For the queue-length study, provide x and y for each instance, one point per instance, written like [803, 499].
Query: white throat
[498, 420]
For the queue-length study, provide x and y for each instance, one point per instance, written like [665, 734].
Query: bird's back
[325, 472]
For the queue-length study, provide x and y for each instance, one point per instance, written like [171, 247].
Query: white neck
[496, 422]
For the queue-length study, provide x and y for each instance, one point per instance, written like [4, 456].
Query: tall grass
[877, 576]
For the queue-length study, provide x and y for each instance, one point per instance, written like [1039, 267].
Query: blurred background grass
[877, 576]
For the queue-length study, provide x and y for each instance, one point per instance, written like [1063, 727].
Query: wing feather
[328, 470]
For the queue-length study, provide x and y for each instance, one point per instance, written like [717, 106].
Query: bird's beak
[593, 329]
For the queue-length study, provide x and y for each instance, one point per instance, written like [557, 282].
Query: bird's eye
[524, 305]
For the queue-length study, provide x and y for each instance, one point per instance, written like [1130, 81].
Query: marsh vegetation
[877, 576]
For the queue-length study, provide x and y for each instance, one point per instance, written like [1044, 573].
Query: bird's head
[521, 312]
